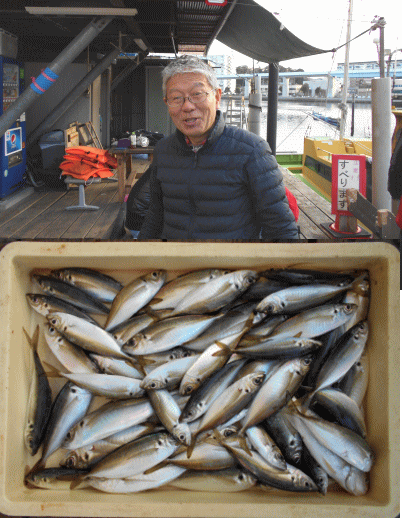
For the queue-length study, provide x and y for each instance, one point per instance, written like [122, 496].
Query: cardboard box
[128, 260]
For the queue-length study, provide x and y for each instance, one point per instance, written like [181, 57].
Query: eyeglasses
[197, 98]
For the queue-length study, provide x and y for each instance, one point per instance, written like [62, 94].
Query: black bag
[43, 160]
[138, 201]
[395, 170]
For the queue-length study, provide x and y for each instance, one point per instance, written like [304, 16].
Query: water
[295, 122]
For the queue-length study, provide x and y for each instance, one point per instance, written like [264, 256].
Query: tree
[305, 89]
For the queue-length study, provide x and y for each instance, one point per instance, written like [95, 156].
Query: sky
[323, 24]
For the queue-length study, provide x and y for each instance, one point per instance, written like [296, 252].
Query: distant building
[223, 65]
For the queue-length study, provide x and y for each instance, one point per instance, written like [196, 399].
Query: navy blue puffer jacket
[230, 189]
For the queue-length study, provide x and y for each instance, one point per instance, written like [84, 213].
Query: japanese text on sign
[348, 178]
[348, 172]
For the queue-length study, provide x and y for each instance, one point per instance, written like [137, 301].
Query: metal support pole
[70, 99]
[128, 70]
[382, 48]
[272, 106]
[66, 57]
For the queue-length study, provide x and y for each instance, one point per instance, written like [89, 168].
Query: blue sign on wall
[13, 141]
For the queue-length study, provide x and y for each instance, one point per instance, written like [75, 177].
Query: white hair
[185, 64]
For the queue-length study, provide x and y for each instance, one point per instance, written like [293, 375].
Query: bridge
[333, 73]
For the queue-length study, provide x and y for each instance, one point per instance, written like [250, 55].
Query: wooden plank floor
[314, 210]
[43, 215]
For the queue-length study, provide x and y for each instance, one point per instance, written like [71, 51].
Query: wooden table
[123, 156]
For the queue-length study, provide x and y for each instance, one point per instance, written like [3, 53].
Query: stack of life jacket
[84, 162]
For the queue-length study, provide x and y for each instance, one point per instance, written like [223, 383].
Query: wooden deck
[44, 215]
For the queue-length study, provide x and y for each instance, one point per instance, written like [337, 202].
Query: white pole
[343, 106]
[381, 141]
[255, 107]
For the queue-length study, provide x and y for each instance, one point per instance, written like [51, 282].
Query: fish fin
[52, 372]
[77, 481]
[142, 363]
[191, 446]
[298, 335]
[156, 467]
[151, 312]
[224, 349]
[243, 444]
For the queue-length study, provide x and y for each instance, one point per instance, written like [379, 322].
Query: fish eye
[241, 476]
[70, 462]
[188, 389]
[182, 437]
[73, 390]
[160, 442]
[82, 423]
[155, 275]
[307, 483]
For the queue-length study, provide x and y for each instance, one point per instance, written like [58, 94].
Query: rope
[43, 81]
[293, 131]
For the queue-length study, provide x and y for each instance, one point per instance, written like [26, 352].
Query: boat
[329, 120]
[315, 164]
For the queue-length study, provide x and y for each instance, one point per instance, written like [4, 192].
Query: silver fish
[72, 357]
[345, 443]
[207, 455]
[298, 298]
[233, 399]
[52, 478]
[231, 323]
[135, 457]
[107, 385]
[69, 407]
[108, 419]
[203, 397]
[140, 482]
[99, 285]
[86, 335]
[217, 293]
[276, 391]
[291, 479]
[336, 467]
[355, 382]
[166, 334]
[287, 347]
[168, 375]
[347, 350]
[208, 362]
[316, 321]
[341, 408]
[168, 412]
[265, 446]
[174, 291]
[127, 329]
[285, 435]
[39, 400]
[226, 481]
[84, 457]
[134, 296]
[46, 304]
[69, 293]
[108, 365]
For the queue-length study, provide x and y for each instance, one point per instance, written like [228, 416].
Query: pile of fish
[214, 380]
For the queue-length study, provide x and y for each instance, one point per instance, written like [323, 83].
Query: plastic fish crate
[127, 260]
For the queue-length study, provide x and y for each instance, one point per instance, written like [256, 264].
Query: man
[209, 180]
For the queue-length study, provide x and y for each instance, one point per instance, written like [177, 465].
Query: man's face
[193, 120]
